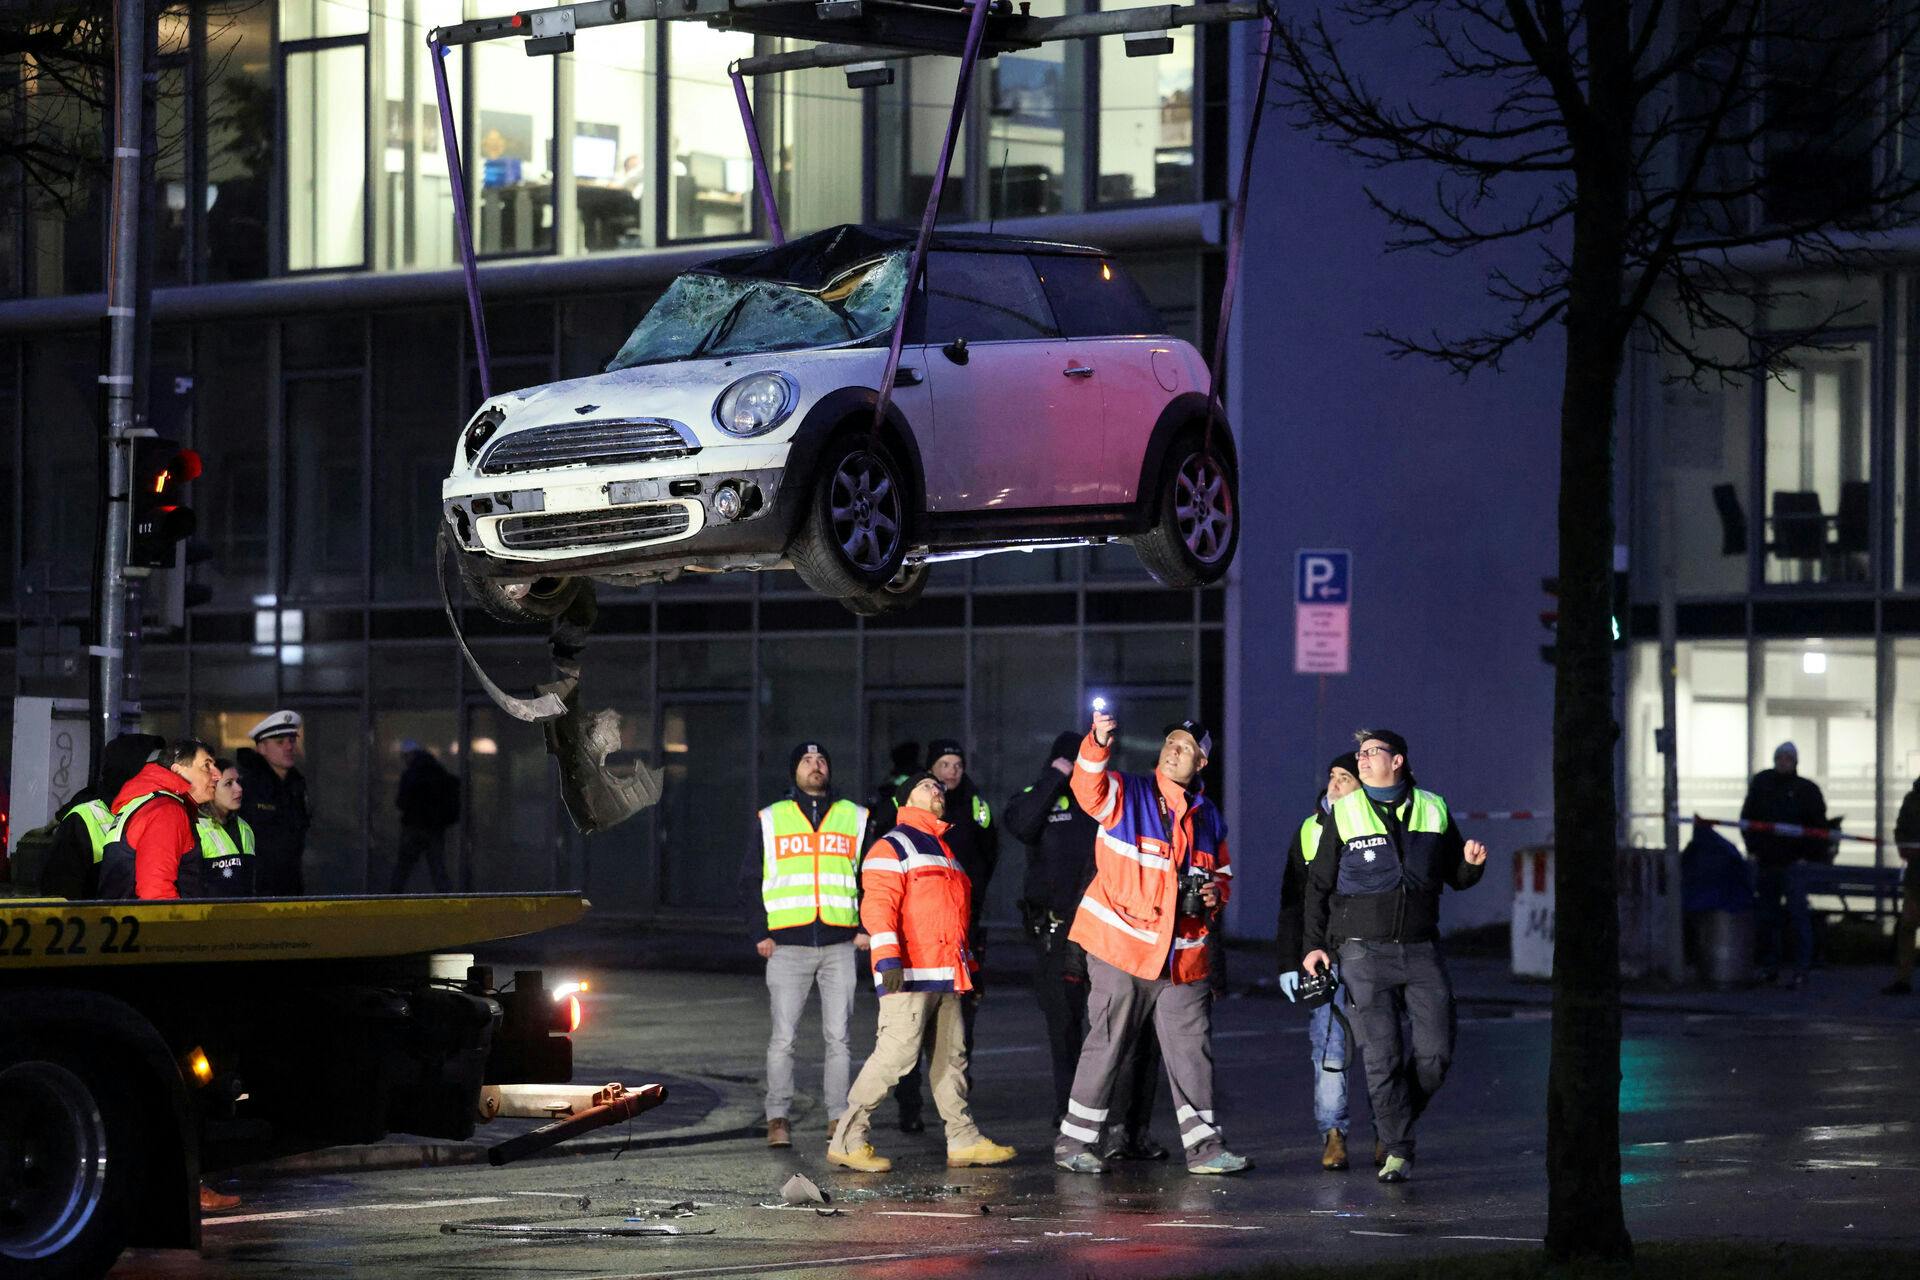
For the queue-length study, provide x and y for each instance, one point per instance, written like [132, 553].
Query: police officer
[809, 906]
[226, 841]
[72, 868]
[1324, 1034]
[275, 804]
[1373, 902]
[975, 842]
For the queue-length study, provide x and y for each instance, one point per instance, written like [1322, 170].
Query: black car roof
[816, 260]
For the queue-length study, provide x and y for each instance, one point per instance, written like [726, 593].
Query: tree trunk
[1584, 1214]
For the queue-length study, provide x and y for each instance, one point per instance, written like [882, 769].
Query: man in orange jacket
[157, 811]
[1161, 872]
[914, 909]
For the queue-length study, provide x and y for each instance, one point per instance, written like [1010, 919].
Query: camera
[1191, 903]
[1316, 989]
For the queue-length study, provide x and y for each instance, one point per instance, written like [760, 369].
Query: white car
[1037, 404]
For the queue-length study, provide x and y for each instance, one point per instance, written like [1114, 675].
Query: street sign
[1322, 604]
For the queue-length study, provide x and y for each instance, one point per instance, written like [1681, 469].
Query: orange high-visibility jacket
[1129, 915]
[914, 903]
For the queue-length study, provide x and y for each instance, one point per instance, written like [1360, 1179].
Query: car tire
[852, 539]
[899, 595]
[72, 1204]
[1196, 523]
[541, 600]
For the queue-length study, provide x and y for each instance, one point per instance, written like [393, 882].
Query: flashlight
[1099, 705]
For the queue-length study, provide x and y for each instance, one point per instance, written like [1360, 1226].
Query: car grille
[588, 444]
[551, 530]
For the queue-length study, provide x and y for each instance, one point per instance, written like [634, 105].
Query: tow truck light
[566, 1014]
[201, 1068]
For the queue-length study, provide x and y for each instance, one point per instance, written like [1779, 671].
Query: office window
[807, 692]
[509, 151]
[1035, 123]
[241, 124]
[233, 496]
[1706, 446]
[908, 128]
[325, 421]
[414, 223]
[326, 157]
[613, 95]
[1901, 727]
[711, 193]
[1819, 695]
[318, 19]
[1023, 696]
[1821, 57]
[816, 164]
[1818, 432]
[61, 493]
[1711, 721]
[1146, 120]
[174, 126]
[66, 203]
[416, 397]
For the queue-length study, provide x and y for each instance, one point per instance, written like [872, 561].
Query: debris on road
[555, 1229]
[800, 1189]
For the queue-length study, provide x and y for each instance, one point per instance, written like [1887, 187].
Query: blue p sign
[1323, 577]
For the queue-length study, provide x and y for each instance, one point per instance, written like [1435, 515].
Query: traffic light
[1550, 617]
[161, 519]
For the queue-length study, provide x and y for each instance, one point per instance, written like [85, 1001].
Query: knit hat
[1349, 762]
[1066, 746]
[1787, 749]
[804, 749]
[905, 789]
[944, 747]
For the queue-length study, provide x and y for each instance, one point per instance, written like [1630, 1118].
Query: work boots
[864, 1159]
[779, 1132]
[1333, 1157]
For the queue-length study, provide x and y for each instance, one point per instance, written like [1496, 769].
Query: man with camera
[1373, 897]
[1161, 871]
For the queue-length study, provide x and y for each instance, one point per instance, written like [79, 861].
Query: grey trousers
[792, 974]
[1118, 1008]
[1384, 980]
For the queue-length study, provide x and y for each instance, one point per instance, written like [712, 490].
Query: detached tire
[541, 600]
[1196, 525]
[899, 595]
[72, 1153]
[852, 540]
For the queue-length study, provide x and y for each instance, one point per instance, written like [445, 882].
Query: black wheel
[901, 593]
[1196, 525]
[853, 539]
[537, 600]
[71, 1156]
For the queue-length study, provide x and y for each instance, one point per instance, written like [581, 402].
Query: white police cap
[278, 725]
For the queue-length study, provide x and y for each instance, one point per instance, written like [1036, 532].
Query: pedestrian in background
[1059, 837]
[1373, 897]
[429, 802]
[226, 841]
[1325, 1037]
[72, 867]
[1906, 835]
[808, 905]
[276, 804]
[1785, 921]
[1161, 872]
[916, 907]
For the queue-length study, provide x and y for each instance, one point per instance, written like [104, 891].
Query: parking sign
[1323, 577]
[1322, 605]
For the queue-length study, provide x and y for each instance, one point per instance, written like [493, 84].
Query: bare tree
[1629, 152]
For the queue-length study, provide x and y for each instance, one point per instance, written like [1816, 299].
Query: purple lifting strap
[463, 220]
[1237, 230]
[976, 29]
[761, 182]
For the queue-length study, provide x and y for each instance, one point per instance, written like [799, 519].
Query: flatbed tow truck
[144, 1045]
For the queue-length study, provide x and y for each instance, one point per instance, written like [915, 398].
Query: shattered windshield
[711, 315]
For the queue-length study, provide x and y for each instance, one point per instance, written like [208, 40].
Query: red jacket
[914, 906]
[161, 833]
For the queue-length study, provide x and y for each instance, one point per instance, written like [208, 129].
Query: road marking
[1508, 1239]
[1833, 1132]
[1011, 1048]
[287, 1215]
[1724, 1137]
[1395, 1234]
[920, 1213]
[1206, 1226]
[761, 1268]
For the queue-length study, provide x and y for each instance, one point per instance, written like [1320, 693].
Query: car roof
[815, 261]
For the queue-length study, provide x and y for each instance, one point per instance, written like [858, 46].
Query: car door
[1018, 418]
[1117, 333]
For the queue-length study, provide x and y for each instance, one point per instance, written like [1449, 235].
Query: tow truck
[144, 1045]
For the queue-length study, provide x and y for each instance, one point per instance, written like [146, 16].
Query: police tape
[1790, 829]
[1499, 815]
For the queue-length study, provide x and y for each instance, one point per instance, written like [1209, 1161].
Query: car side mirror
[956, 350]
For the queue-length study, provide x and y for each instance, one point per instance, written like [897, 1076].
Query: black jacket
[1407, 912]
[429, 796]
[1059, 836]
[1773, 796]
[70, 871]
[975, 845]
[1906, 830]
[1291, 931]
[276, 809]
[815, 933]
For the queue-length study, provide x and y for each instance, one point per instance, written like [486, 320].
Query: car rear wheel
[852, 540]
[899, 595]
[537, 600]
[1196, 526]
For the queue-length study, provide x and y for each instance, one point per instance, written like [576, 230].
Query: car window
[1094, 298]
[984, 297]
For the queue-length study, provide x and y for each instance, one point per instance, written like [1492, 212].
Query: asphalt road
[1780, 1116]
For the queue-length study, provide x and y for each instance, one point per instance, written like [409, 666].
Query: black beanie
[1066, 746]
[944, 747]
[1350, 762]
[905, 789]
[804, 748]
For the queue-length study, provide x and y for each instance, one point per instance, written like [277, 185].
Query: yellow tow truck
[146, 1044]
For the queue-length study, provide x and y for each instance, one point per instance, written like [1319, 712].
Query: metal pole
[1670, 714]
[129, 46]
[1237, 231]
[762, 182]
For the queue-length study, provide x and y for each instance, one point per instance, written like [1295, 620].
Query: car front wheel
[852, 541]
[1196, 526]
[538, 600]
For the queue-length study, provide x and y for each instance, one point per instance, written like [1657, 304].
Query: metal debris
[800, 1189]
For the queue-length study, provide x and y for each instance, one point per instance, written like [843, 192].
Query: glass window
[416, 394]
[1139, 657]
[1707, 447]
[612, 143]
[1094, 297]
[705, 818]
[1819, 695]
[1902, 728]
[326, 157]
[899, 725]
[817, 166]
[511, 796]
[230, 432]
[317, 19]
[1023, 696]
[414, 702]
[702, 664]
[67, 199]
[712, 189]
[60, 496]
[415, 219]
[509, 151]
[1034, 125]
[1711, 706]
[1818, 443]
[9, 441]
[1146, 119]
[908, 129]
[325, 510]
[806, 691]
[984, 297]
[173, 131]
[1822, 114]
[241, 125]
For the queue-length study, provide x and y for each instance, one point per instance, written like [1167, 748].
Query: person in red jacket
[156, 812]
[914, 908]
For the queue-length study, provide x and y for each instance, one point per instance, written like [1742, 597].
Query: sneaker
[985, 1151]
[864, 1159]
[1898, 987]
[779, 1132]
[1396, 1169]
[1082, 1162]
[1333, 1157]
[1225, 1162]
[212, 1201]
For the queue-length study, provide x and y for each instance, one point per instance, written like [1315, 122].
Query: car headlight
[481, 430]
[756, 404]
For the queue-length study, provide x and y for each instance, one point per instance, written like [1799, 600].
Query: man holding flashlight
[1161, 872]
[1373, 895]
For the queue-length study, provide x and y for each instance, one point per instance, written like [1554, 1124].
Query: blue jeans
[1782, 900]
[1329, 1087]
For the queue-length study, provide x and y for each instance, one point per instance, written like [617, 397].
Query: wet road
[1781, 1124]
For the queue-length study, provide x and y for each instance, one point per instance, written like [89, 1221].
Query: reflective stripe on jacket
[1129, 914]
[99, 822]
[808, 874]
[915, 906]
